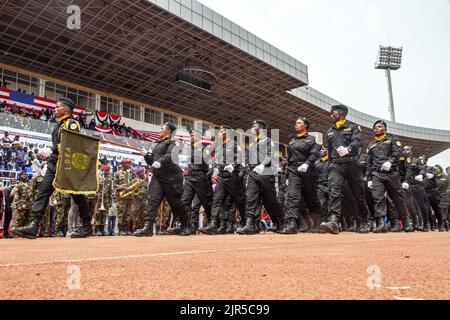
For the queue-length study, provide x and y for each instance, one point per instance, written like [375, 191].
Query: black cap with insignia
[67, 101]
[171, 126]
[260, 123]
[340, 107]
[381, 122]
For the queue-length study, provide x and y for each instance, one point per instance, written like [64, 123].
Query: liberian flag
[30, 102]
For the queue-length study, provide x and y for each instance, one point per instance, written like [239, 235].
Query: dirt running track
[265, 266]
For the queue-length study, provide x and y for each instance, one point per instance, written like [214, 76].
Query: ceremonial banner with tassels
[76, 170]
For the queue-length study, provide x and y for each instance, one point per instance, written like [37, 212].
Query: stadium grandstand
[146, 62]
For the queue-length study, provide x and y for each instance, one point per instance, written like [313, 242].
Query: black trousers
[443, 205]
[171, 188]
[281, 196]
[262, 188]
[200, 188]
[338, 173]
[228, 186]
[302, 188]
[435, 200]
[420, 196]
[323, 194]
[412, 206]
[45, 192]
[348, 206]
[195, 212]
[390, 183]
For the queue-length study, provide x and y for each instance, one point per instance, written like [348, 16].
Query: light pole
[389, 58]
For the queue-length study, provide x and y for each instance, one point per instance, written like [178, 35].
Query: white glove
[303, 168]
[405, 185]
[279, 170]
[287, 182]
[386, 166]
[259, 169]
[343, 151]
[370, 185]
[419, 178]
[430, 175]
[156, 165]
[229, 168]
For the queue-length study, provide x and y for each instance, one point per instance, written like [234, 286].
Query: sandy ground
[266, 266]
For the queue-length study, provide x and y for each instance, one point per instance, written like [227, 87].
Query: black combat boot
[230, 228]
[29, 231]
[60, 233]
[83, 232]
[277, 226]
[396, 227]
[407, 225]
[447, 225]
[181, 228]
[363, 227]
[211, 229]
[330, 226]
[381, 226]
[98, 231]
[316, 220]
[147, 231]
[290, 227]
[223, 227]
[250, 227]
[353, 227]
[122, 232]
[426, 227]
[441, 227]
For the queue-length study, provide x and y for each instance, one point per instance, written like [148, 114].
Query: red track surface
[265, 266]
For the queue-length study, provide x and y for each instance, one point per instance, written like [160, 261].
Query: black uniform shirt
[348, 135]
[165, 152]
[387, 149]
[302, 149]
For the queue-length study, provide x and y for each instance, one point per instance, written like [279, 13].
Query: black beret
[340, 107]
[380, 121]
[261, 123]
[68, 102]
[171, 126]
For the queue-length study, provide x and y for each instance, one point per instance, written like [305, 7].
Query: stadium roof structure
[180, 56]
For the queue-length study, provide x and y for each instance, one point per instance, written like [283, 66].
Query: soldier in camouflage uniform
[35, 182]
[21, 202]
[139, 199]
[105, 197]
[122, 180]
[62, 208]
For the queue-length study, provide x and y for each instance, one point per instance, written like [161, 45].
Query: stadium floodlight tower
[389, 58]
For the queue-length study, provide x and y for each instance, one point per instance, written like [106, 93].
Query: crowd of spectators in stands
[48, 116]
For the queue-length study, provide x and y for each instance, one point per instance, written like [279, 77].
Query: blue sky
[339, 39]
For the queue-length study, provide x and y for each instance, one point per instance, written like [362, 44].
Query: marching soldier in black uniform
[167, 181]
[431, 190]
[384, 152]
[411, 204]
[229, 183]
[63, 113]
[442, 181]
[260, 181]
[198, 179]
[303, 151]
[281, 179]
[344, 140]
[323, 189]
